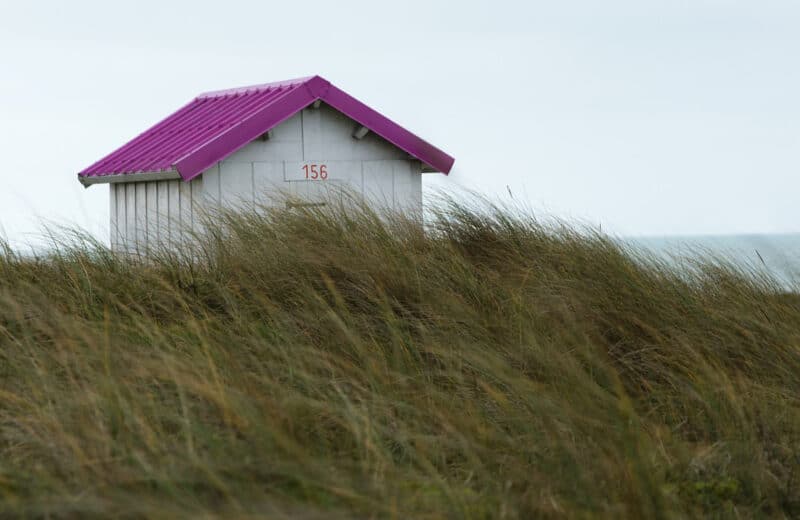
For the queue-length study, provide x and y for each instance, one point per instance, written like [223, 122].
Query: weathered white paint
[151, 215]
[130, 216]
[379, 183]
[197, 196]
[162, 213]
[236, 184]
[120, 223]
[148, 213]
[173, 214]
[140, 222]
[112, 212]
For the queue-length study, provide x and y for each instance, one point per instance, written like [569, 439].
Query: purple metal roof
[216, 124]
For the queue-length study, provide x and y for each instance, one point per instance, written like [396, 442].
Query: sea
[775, 254]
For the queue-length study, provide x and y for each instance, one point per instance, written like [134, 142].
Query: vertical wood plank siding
[148, 215]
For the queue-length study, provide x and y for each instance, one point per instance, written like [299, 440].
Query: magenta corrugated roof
[216, 124]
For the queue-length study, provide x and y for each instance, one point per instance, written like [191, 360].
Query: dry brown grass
[324, 364]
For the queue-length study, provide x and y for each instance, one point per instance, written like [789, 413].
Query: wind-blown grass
[326, 363]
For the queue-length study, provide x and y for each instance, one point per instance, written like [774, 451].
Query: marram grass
[326, 363]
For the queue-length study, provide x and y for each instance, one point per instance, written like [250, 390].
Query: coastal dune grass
[325, 362]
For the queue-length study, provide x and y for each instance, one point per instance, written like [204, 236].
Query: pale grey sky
[650, 117]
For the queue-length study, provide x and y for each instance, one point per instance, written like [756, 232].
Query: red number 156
[316, 171]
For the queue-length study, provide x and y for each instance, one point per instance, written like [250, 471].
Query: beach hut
[255, 145]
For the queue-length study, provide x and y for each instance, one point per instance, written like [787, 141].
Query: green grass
[322, 363]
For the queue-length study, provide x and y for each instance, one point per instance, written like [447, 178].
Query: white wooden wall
[144, 214]
[260, 171]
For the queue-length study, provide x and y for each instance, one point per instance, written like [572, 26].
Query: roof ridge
[255, 88]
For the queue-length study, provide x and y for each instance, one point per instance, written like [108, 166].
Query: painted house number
[315, 172]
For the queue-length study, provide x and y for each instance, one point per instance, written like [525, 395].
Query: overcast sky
[648, 117]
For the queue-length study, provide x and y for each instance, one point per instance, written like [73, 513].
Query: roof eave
[88, 180]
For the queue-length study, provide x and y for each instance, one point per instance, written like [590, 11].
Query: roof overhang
[128, 177]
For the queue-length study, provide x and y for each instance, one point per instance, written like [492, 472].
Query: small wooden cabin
[256, 145]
